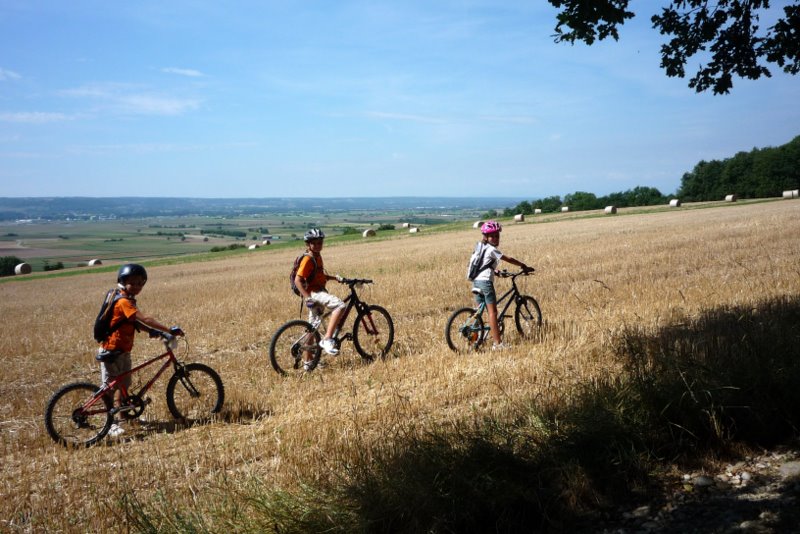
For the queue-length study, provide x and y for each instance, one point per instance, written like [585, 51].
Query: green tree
[548, 204]
[581, 200]
[728, 29]
[7, 265]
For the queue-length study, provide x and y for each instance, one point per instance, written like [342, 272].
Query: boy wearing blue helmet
[126, 319]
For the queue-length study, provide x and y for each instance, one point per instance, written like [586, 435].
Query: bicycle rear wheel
[373, 333]
[71, 420]
[195, 392]
[465, 331]
[295, 342]
[528, 317]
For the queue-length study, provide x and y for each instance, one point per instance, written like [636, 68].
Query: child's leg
[491, 308]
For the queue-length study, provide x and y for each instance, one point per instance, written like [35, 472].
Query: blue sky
[353, 98]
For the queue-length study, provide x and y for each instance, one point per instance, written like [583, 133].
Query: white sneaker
[115, 430]
[308, 366]
[328, 346]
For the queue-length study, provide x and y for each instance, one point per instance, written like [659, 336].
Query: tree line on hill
[760, 173]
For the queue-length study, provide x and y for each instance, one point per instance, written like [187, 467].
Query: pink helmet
[490, 227]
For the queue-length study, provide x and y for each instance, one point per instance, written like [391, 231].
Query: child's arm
[516, 262]
[151, 323]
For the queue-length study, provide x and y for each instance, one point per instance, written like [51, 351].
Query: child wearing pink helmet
[484, 281]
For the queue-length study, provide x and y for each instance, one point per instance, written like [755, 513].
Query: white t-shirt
[492, 258]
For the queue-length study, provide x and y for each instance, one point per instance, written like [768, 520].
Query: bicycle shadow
[140, 429]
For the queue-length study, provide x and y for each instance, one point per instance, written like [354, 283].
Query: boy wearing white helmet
[484, 281]
[311, 280]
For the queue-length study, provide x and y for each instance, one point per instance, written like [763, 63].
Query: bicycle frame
[351, 301]
[117, 382]
[512, 291]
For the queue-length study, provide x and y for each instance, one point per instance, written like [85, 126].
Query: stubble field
[597, 281]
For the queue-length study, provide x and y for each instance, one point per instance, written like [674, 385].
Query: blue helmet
[130, 269]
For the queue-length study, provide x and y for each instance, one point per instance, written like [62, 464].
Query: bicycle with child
[295, 345]
[81, 413]
[466, 331]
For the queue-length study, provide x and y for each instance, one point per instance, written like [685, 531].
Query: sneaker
[115, 430]
[329, 346]
[307, 366]
[499, 346]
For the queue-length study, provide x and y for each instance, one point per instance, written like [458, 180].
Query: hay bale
[23, 268]
[253, 246]
[731, 198]
[519, 217]
[793, 193]
[564, 209]
[265, 242]
[413, 230]
[610, 210]
[369, 232]
[477, 224]
[537, 211]
[94, 262]
[406, 225]
[674, 203]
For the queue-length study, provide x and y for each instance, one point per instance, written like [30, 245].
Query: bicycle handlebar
[505, 273]
[355, 281]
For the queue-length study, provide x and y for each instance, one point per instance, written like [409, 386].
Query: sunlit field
[601, 283]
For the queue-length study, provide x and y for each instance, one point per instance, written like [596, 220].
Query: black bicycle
[466, 331]
[295, 345]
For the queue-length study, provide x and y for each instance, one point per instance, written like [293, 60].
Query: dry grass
[597, 280]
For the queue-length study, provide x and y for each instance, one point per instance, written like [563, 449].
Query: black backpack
[296, 266]
[476, 266]
[102, 324]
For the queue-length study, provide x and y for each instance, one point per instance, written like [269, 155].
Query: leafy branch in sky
[726, 34]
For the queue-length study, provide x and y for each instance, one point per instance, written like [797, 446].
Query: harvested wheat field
[626, 301]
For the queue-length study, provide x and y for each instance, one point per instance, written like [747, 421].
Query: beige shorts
[121, 364]
[325, 300]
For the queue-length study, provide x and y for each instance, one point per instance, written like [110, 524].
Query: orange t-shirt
[122, 338]
[304, 270]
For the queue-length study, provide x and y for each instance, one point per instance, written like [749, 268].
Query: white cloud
[403, 117]
[127, 99]
[183, 72]
[33, 117]
[8, 75]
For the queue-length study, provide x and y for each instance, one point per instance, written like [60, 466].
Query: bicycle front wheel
[465, 331]
[292, 345]
[528, 317]
[71, 419]
[195, 392]
[373, 333]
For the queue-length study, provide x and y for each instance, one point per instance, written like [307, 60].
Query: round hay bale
[477, 224]
[23, 268]
[610, 210]
[406, 225]
[253, 246]
[787, 194]
[369, 232]
[94, 262]
[731, 198]
[413, 230]
[537, 211]
[564, 209]
[265, 242]
[519, 217]
[674, 203]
